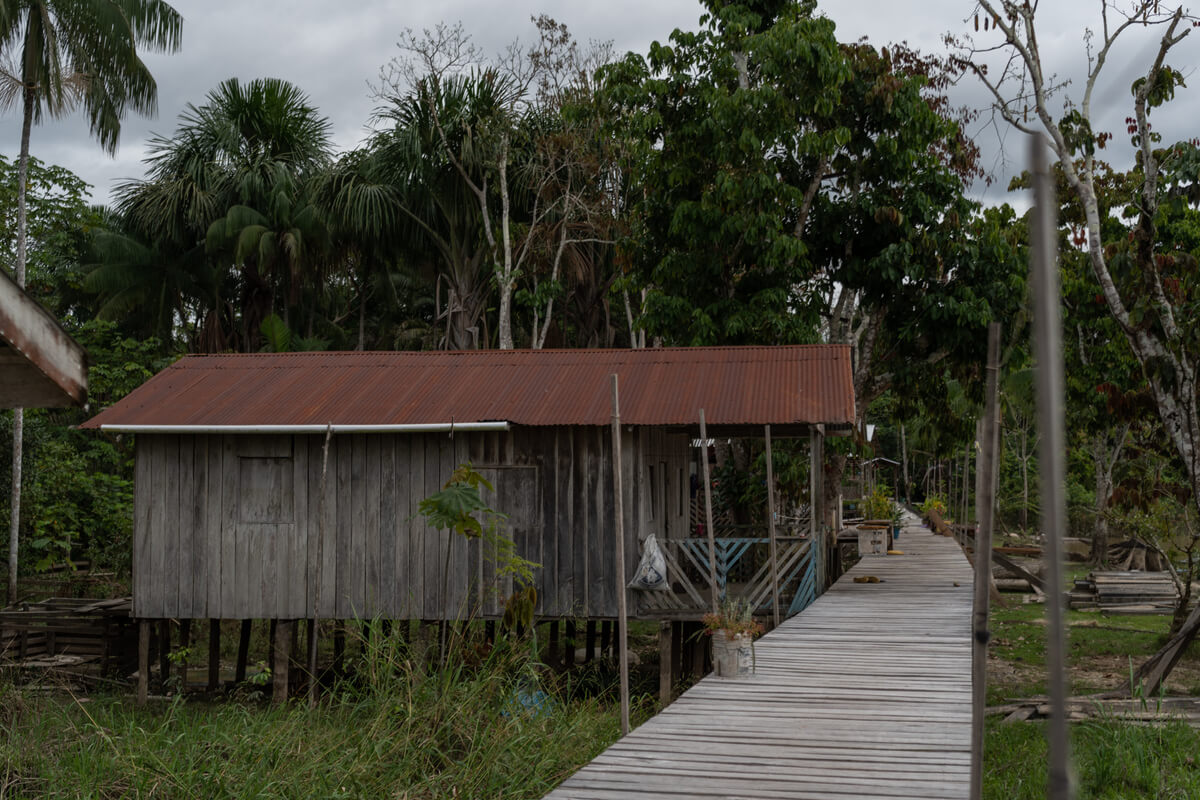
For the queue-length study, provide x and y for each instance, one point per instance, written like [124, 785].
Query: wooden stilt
[552, 647]
[164, 652]
[590, 637]
[282, 652]
[665, 685]
[699, 649]
[339, 646]
[243, 653]
[605, 638]
[214, 654]
[676, 652]
[143, 682]
[185, 640]
[569, 645]
[489, 631]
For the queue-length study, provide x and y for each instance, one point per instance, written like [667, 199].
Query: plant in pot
[733, 629]
[897, 520]
[877, 507]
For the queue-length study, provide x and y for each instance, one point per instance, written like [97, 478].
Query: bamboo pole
[708, 519]
[985, 502]
[771, 526]
[316, 617]
[1048, 354]
[619, 520]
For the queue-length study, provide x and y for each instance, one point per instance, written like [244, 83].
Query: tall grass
[1113, 760]
[478, 723]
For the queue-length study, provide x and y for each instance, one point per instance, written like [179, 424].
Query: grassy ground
[491, 725]
[1113, 759]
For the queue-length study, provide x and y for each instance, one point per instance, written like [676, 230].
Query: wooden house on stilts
[230, 487]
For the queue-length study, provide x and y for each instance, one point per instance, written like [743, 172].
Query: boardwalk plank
[866, 694]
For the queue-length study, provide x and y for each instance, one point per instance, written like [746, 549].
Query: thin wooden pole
[243, 653]
[771, 526]
[214, 654]
[315, 622]
[143, 682]
[619, 520]
[708, 518]
[983, 562]
[1048, 352]
[281, 656]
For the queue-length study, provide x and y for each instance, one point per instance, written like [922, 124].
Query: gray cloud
[331, 51]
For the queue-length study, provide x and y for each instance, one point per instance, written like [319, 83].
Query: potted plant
[897, 520]
[877, 508]
[733, 629]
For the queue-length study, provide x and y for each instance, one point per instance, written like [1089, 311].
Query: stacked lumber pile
[77, 636]
[1125, 592]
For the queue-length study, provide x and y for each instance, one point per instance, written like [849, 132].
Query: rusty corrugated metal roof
[800, 384]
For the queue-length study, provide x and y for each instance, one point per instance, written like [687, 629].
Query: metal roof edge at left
[432, 427]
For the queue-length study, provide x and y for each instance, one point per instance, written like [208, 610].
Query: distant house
[230, 461]
[41, 366]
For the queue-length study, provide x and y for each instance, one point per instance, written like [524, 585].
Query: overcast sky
[332, 49]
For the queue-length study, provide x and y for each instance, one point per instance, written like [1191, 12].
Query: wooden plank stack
[81, 636]
[1125, 592]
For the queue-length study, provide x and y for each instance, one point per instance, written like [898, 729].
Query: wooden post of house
[281, 656]
[214, 654]
[552, 647]
[185, 641]
[243, 653]
[771, 527]
[569, 644]
[664, 663]
[143, 683]
[708, 517]
[164, 652]
[590, 635]
[619, 524]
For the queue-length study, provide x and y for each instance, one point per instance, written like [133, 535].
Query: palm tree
[64, 53]
[241, 163]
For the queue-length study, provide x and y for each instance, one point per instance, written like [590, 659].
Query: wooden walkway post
[1047, 328]
[771, 526]
[985, 510]
[619, 525]
[708, 518]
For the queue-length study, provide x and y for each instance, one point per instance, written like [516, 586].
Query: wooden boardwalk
[865, 694]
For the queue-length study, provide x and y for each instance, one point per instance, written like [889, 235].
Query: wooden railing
[743, 572]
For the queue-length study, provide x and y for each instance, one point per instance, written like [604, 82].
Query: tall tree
[1147, 282]
[64, 53]
[245, 158]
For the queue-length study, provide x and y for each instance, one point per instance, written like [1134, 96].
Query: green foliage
[1114, 760]
[878, 505]
[404, 727]
[78, 486]
[735, 617]
[459, 507]
[934, 503]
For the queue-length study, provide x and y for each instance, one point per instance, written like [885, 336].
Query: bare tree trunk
[505, 278]
[18, 445]
[904, 465]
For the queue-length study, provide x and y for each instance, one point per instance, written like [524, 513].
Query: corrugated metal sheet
[804, 384]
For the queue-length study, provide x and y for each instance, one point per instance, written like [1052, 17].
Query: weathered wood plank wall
[228, 526]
